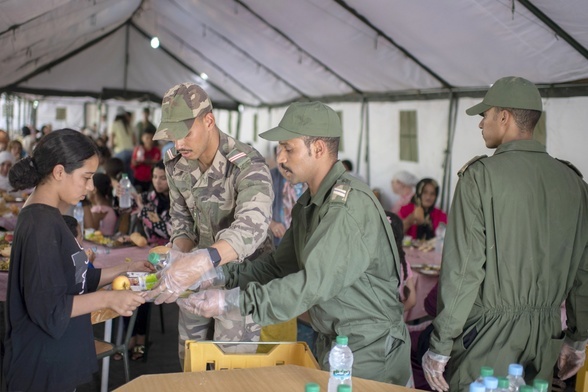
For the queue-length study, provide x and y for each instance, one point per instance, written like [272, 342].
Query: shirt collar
[325, 188]
[521, 145]
[219, 165]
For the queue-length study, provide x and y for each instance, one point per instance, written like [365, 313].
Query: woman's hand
[140, 266]
[418, 216]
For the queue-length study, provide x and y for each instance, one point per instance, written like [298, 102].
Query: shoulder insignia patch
[474, 159]
[340, 193]
[170, 154]
[571, 166]
[237, 157]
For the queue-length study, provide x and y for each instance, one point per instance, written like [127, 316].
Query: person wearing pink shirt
[420, 217]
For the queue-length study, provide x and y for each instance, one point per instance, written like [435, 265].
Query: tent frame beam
[408, 54]
[555, 27]
[301, 49]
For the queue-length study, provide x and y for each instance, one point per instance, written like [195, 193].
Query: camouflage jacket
[231, 200]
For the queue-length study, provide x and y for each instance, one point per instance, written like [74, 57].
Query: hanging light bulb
[155, 42]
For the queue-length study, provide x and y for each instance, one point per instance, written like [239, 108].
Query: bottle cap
[312, 387]
[342, 340]
[514, 369]
[153, 258]
[541, 385]
[486, 371]
[525, 388]
[477, 387]
[343, 388]
[503, 382]
[490, 382]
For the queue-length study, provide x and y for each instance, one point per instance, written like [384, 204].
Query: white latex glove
[213, 303]
[571, 358]
[206, 284]
[433, 367]
[183, 271]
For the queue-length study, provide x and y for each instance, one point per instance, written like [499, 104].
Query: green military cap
[509, 92]
[183, 102]
[306, 119]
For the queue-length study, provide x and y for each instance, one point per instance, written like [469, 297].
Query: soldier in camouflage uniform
[338, 259]
[221, 197]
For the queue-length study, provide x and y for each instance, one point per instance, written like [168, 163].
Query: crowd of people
[258, 248]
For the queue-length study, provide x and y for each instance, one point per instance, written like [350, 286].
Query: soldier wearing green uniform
[516, 248]
[220, 200]
[338, 259]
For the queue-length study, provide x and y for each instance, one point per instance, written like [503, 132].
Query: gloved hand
[183, 271]
[213, 303]
[206, 284]
[571, 358]
[433, 367]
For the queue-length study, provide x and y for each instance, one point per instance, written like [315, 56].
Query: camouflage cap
[182, 102]
[306, 119]
[509, 92]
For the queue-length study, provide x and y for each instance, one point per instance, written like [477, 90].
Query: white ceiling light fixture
[204, 76]
[155, 42]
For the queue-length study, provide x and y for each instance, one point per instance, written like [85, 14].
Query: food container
[142, 281]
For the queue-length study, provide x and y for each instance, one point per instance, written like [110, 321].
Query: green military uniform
[515, 249]
[339, 261]
[230, 201]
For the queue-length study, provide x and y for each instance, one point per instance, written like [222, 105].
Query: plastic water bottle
[159, 260]
[540, 385]
[78, 213]
[341, 363]
[490, 383]
[515, 377]
[124, 200]
[440, 237]
[140, 157]
[502, 384]
[312, 387]
[477, 387]
[343, 388]
[485, 371]
[100, 250]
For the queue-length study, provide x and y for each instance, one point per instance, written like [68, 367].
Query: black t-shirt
[46, 349]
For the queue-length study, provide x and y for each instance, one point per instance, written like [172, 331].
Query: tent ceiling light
[204, 76]
[155, 42]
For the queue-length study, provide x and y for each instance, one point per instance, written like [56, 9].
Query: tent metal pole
[451, 124]
[367, 141]
[361, 128]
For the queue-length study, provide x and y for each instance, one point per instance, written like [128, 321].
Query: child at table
[407, 286]
[103, 216]
[51, 292]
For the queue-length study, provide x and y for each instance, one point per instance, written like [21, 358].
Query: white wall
[567, 137]
[566, 120]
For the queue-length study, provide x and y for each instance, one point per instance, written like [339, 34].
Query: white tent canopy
[370, 59]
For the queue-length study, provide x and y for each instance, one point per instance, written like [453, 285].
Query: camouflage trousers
[193, 327]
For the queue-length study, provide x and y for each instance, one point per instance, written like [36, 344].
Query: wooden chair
[105, 348]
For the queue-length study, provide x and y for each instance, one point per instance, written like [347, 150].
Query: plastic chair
[105, 348]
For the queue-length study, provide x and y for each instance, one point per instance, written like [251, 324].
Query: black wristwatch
[214, 256]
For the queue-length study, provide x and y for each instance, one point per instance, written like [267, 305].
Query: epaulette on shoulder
[170, 155]
[571, 166]
[465, 167]
[238, 157]
[340, 192]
